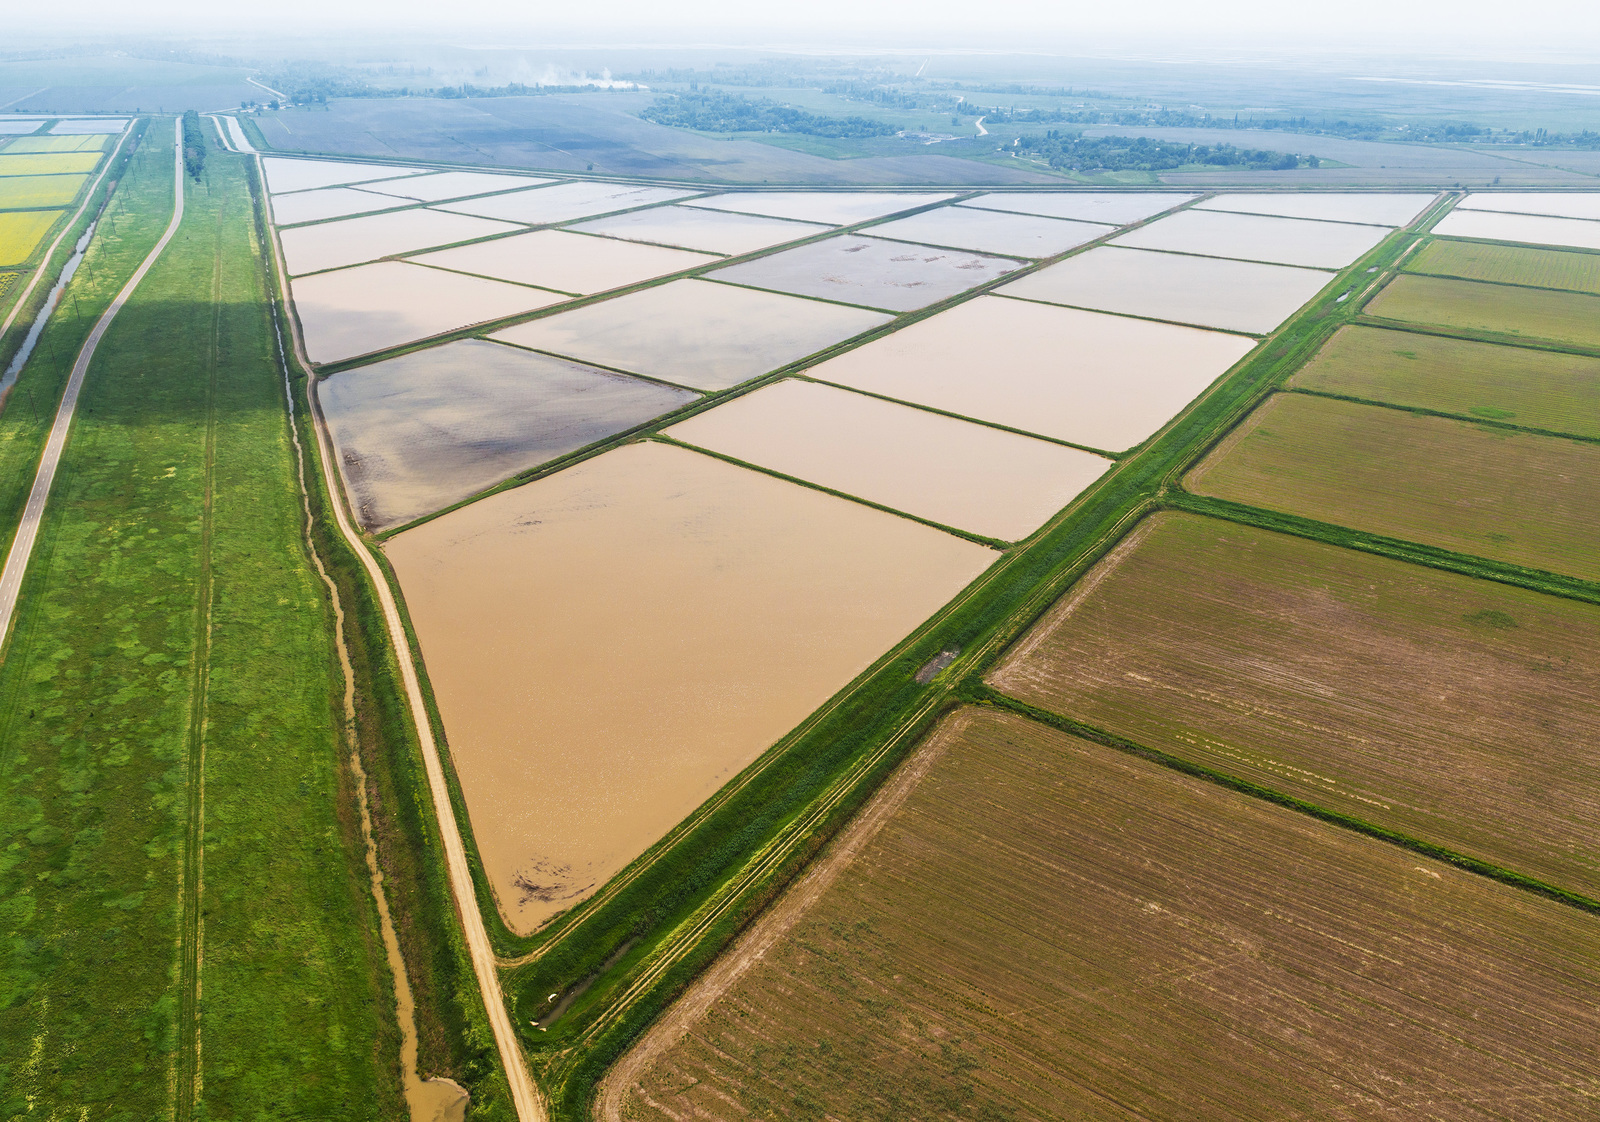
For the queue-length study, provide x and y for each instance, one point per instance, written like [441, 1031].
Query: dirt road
[525, 1094]
[28, 528]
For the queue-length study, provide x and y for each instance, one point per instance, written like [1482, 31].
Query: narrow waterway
[21, 357]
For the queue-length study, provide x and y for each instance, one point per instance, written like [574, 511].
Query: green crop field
[167, 709]
[1560, 317]
[1509, 264]
[1462, 712]
[92, 142]
[1489, 492]
[1545, 390]
[48, 163]
[39, 190]
[22, 231]
[1048, 928]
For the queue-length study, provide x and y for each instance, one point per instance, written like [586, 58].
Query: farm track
[191, 930]
[526, 1099]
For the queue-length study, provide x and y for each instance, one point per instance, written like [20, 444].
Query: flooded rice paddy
[1373, 209]
[92, 142]
[417, 433]
[1204, 291]
[695, 333]
[564, 202]
[1283, 241]
[979, 479]
[1531, 228]
[611, 644]
[573, 263]
[453, 185]
[712, 231]
[357, 311]
[1115, 208]
[351, 241]
[836, 208]
[1102, 381]
[992, 231]
[328, 202]
[1562, 204]
[871, 272]
[89, 125]
[284, 175]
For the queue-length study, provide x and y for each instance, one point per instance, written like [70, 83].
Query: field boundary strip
[526, 1099]
[28, 527]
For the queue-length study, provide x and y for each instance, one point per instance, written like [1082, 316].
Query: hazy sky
[1045, 24]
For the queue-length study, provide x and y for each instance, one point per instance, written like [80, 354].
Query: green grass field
[1558, 317]
[48, 163]
[22, 231]
[1545, 390]
[1488, 492]
[1050, 929]
[171, 610]
[39, 190]
[1509, 264]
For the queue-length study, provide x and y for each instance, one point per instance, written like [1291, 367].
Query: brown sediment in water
[610, 645]
[566, 262]
[1286, 241]
[350, 241]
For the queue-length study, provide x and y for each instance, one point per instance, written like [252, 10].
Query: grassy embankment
[170, 748]
[631, 949]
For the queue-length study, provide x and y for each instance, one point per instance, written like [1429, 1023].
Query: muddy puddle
[422, 431]
[709, 230]
[872, 272]
[992, 231]
[1282, 241]
[613, 643]
[357, 311]
[695, 333]
[573, 263]
[957, 473]
[1104, 381]
[1204, 291]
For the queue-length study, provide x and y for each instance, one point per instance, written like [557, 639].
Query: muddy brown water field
[1048, 929]
[1489, 492]
[1457, 711]
[611, 644]
[1517, 385]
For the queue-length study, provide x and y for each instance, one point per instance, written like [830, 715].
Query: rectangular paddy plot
[1105, 382]
[13, 126]
[564, 202]
[90, 143]
[1204, 291]
[975, 478]
[991, 231]
[1557, 204]
[436, 186]
[711, 231]
[39, 190]
[1532, 228]
[1372, 209]
[1457, 711]
[285, 175]
[49, 163]
[1509, 264]
[694, 333]
[1045, 928]
[352, 312]
[1117, 208]
[89, 125]
[1536, 389]
[1250, 237]
[869, 271]
[417, 433]
[1508, 496]
[611, 644]
[566, 262]
[835, 208]
[328, 202]
[21, 232]
[1530, 313]
[351, 241]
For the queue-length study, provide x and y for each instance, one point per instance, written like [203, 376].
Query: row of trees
[1071, 152]
[194, 144]
[714, 111]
